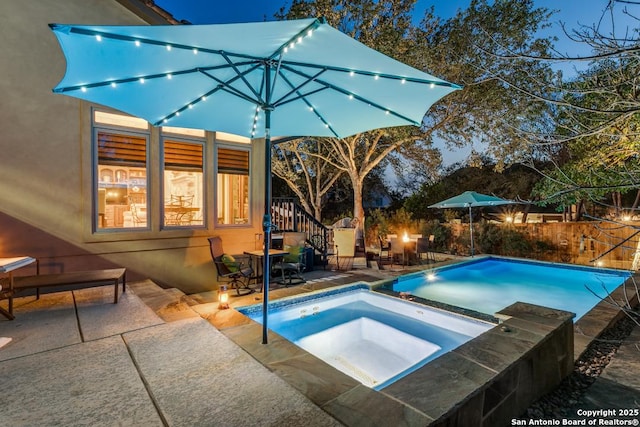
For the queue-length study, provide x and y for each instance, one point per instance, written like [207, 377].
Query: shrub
[516, 244]
[376, 225]
[441, 234]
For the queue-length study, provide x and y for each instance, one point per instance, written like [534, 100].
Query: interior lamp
[223, 297]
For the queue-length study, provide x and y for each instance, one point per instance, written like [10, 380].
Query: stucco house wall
[46, 163]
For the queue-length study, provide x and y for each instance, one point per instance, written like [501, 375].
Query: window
[121, 180]
[232, 186]
[183, 183]
[127, 153]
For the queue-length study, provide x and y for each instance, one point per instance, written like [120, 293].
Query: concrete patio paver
[129, 367]
[198, 377]
[93, 383]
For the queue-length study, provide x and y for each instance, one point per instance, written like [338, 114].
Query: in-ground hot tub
[374, 338]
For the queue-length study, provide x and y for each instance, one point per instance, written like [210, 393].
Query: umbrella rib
[145, 77]
[297, 37]
[232, 90]
[373, 74]
[177, 112]
[356, 96]
[121, 37]
[241, 75]
[295, 89]
[309, 105]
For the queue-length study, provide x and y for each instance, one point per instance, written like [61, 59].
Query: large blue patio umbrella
[471, 199]
[260, 80]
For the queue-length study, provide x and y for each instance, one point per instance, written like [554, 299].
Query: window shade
[124, 150]
[233, 161]
[183, 156]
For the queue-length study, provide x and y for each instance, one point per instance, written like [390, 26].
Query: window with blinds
[121, 180]
[183, 183]
[232, 186]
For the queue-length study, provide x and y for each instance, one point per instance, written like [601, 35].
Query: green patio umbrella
[260, 80]
[471, 199]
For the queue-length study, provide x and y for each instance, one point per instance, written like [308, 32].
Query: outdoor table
[8, 265]
[257, 256]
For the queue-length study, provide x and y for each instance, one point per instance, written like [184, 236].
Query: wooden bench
[93, 278]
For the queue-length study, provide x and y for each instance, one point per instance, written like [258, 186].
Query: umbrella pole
[266, 220]
[266, 227]
[471, 229]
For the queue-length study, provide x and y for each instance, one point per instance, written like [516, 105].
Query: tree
[300, 165]
[439, 48]
[515, 182]
[590, 131]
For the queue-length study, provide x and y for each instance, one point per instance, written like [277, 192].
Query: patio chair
[398, 251]
[344, 241]
[230, 271]
[385, 247]
[291, 266]
[425, 246]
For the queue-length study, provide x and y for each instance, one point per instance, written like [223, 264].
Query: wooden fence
[601, 243]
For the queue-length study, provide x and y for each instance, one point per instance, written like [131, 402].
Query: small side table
[8, 265]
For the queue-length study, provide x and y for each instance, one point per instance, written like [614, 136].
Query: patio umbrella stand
[260, 80]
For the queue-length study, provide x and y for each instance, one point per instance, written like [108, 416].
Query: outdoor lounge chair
[235, 273]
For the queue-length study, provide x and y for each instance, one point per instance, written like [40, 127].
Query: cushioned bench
[90, 278]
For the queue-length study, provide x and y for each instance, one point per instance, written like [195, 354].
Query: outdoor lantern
[223, 297]
[405, 237]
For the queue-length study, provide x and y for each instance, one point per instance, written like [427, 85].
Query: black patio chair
[230, 271]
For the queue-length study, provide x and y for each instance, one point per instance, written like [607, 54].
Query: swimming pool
[374, 338]
[490, 284]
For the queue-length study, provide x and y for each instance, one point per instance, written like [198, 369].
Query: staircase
[288, 215]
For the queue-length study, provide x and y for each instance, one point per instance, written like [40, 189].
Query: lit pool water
[490, 284]
[374, 338]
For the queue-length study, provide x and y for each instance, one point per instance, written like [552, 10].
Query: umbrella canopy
[225, 77]
[471, 199]
[267, 79]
